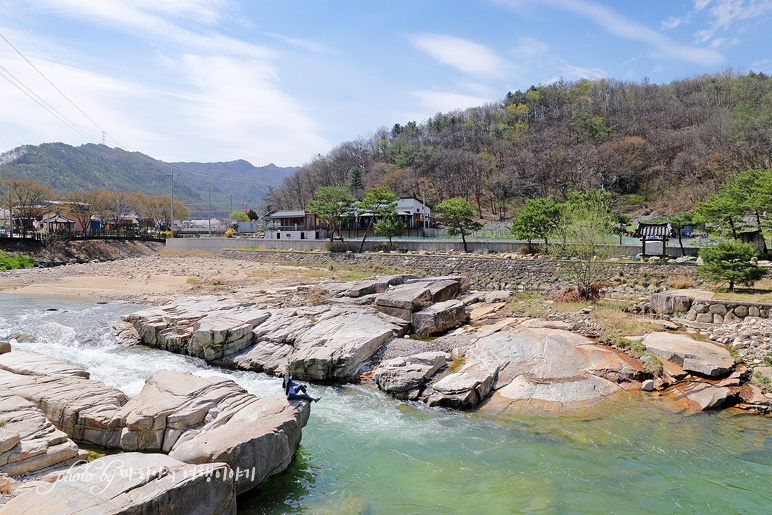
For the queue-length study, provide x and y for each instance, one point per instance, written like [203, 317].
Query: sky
[280, 81]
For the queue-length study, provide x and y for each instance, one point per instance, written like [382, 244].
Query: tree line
[30, 200]
[679, 141]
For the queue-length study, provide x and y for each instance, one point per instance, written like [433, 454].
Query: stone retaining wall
[495, 273]
[709, 311]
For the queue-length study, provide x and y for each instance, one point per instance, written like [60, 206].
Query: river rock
[132, 483]
[336, 347]
[466, 388]
[558, 368]
[402, 300]
[702, 358]
[377, 284]
[29, 442]
[404, 377]
[668, 302]
[439, 317]
[34, 364]
[5, 347]
[702, 396]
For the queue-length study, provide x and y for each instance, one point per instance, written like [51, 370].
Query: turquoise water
[363, 452]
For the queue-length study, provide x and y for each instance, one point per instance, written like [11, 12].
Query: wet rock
[702, 358]
[132, 483]
[464, 389]
[33, 364]
[647, 385]
[5, 347]
[702, 396]
[439, 317]
[400, 376]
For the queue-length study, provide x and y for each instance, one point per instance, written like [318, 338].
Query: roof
[57, 218]
[662, 229]
[286, 213]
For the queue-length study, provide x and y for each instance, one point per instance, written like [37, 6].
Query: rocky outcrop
[195, 419]
[29, 442]
[210, 419]
[701, 396]
[703, 358]
[131, 483]
[33, 364]
[526, 367]
[405, 377]
[403, 300]
[439, 317]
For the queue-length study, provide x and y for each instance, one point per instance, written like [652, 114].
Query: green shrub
[730, 261]
[9, 263]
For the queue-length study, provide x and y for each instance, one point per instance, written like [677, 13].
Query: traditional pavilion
[656, 235]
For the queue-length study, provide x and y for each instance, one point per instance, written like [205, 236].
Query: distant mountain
[66, 168]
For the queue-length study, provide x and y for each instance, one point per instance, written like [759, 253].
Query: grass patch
[176, 253]
[14, 262]
[680, 282]
[762, 382]
[761, 292]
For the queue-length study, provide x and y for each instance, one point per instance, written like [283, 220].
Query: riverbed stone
[741, 311]
[753, 311]
[403, 375]
[404, 299]
[719, 309]
[702, 396]
[132, 483]
[34, 364]
[29, 442]
[700, 308]
[5, 347]
[704, 318]
[377, 284]
[668, 302]
[439, 317]
[718, 319]
[702, 358]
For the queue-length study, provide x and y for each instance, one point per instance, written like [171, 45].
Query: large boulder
[439, 317]
[335, 348]
[211, 419]
[535, 367]
[669, 302]
[132, 483]
[29, 442]
[704, 358]
[701, 396]
[404, 377]
[377, 284]
[402, 300]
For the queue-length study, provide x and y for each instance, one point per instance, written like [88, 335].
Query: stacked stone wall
[495, 273]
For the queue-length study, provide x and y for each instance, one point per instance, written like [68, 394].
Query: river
[363, 452]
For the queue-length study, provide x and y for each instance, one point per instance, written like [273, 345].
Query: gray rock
[741, 311]
[667, 303]
[693, 356]
[377, 284]
[411, 296]
[647, 385]
[704, 318]
[398, 376]
[132, 483]
[718, 319]
[703, 396]
[464, 389]
[439, 317]
[753, 311]
[719, 309]
[29, 442]
[33, 364]
[700, 308]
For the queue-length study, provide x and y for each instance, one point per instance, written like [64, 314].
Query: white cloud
[671, 23]
[618, 25]
[464, 55]
[530, 48]
[303, 43]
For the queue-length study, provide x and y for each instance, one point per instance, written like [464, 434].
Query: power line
[44, 76]
[42, 103]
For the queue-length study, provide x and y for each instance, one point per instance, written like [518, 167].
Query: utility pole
[231, 195]
[172, 203]
[209, 213]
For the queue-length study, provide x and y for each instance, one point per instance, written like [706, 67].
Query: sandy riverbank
[152, 279]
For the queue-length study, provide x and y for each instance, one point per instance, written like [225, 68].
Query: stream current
[365, 453]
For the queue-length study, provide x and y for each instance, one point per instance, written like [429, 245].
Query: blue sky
[282, 80]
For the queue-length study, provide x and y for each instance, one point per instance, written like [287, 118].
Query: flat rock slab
[693, 356]
[554, 366]
[702, 396]
[405, 375]
[377, 284]
[212, 419]
[439, 317]
[482, 310]
[34, 364]
[132, 483]
[409, 297]
[29, 442]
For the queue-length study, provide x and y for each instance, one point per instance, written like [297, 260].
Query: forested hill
[65, 168]
[669, 144]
